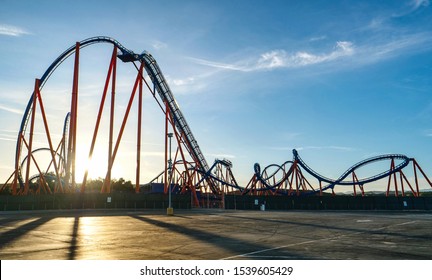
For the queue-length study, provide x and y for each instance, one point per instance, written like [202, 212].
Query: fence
[160, 201]
[328, 203]
[93, 201]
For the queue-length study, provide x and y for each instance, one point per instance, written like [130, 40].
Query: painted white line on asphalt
[312, 241]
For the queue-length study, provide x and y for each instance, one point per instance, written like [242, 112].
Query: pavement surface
[215, 234]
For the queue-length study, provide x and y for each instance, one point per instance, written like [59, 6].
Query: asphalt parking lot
[215, 234]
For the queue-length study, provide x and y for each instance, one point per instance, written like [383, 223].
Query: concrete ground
[215, 234]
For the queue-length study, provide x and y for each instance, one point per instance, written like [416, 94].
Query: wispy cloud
[182, 82]
[342, 49]
[10, 30]
[190, 84]
[157, 45]
[339, 148]
[11, 110]
[411, 7]
[428, 133]
[318, 38]
[416, 4]
[380, 49]
[222, 156]
[376, 49]
[282, 59]
[8, 139]
[8, 135]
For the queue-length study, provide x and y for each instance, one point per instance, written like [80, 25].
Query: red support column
[356, 180]
[71, 155]
[402, 184]
[53, 153]
[297, 181]
[354, 184]
[16, 173]
[32, 121]
[101, 106]
[415, 177]
[75, 97]
[106, 186]
[423, 173]
[392, 167]
[107, 183]
[138, 167]
[388, 184]
[395, 179]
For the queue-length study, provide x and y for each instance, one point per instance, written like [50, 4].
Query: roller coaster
[293, 181]
[189, 170]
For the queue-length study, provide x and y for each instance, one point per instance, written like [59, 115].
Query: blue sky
[340, 81]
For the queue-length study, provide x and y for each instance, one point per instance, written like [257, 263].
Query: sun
[97, 166]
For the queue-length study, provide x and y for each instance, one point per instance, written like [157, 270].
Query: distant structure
[291, 178]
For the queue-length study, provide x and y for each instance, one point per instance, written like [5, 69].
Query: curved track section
[226, 179]
[157, 78]
[269, 179]
[341, 180]
[265, 179]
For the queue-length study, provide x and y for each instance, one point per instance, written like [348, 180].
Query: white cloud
[411, 7]
[10, 30]
[222, 156]
[273, 59]
[157, 45]
[379, 50]
[318, 38]
[281, 59]
[339, 148]
[11, 110]
[8, 139]
[419, 3]
[182, 82]
[374, 50]
[342, 49]
[219, 65]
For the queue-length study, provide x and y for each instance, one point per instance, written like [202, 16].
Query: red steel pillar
[106, 186]
[51, 147]
[30, 145]
[111, 132]
[138, 167]
[71, 154]
[99, 117]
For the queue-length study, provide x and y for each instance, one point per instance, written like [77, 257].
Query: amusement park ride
[189, 171]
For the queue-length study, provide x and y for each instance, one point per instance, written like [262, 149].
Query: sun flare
[97, 165]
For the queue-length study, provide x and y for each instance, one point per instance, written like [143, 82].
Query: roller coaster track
[165, 93]
[229, 181]
[278, 168]
[219, 176]
[340, 180]
[158, 80]
[331, 183]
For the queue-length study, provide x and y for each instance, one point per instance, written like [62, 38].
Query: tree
[121, 185]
